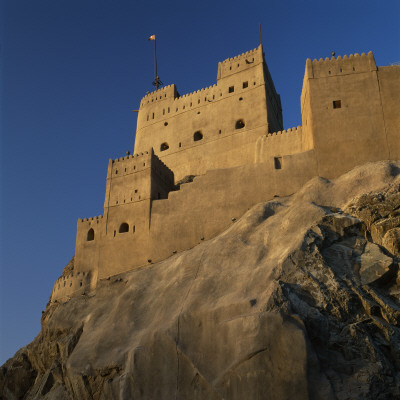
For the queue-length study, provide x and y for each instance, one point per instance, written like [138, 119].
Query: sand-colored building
[230, 137]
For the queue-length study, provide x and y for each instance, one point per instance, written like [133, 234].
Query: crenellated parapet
[240, 62]
[164, 93]
[286, 133]
[336, 66]
[72, 284]
[278, 144]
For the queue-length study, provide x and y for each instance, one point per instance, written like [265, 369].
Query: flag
[152, 37]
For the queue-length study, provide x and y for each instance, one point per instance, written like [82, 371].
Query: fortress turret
[215, 127]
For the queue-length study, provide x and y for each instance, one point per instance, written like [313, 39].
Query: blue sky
[73, 71]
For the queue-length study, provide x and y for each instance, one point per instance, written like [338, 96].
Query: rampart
[270, 148]
[223, 135]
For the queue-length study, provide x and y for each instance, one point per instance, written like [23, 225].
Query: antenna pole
[260, 34]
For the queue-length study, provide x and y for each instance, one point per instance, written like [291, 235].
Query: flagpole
[157, 82]
[155, 63]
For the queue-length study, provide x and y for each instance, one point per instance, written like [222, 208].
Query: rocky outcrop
[298, 299]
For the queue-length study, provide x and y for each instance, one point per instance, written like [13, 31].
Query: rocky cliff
[299, 299]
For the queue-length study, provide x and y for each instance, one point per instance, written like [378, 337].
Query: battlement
[290, 131]
[129, 164]
[335, 66]
[240, 62]
[90, 219]
[165, 92]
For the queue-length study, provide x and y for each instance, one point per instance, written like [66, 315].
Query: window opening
[337, 104]
[197, 136]
[245, 85]
[90, 235]
[278, 162]
[123, 228]
[239, 124]
[231, 89]
[180, 144]
[165, 123]
[164, 146]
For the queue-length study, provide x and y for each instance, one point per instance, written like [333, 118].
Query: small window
[147, 117]
[231, 89]
[180, 144]
[220, 131]
[239, 124]
[240, 98]
[337, 104]
[197, 136]
[124, 227]
[278, 162]
[168, 109]
[116, 172]
[164, 146]
[163, 111]
[165, 123]
[90, 235]
[133, 229]
[245, 85]
[183, 107]
[153, 115]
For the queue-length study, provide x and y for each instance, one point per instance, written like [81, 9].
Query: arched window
[124, 227]
[164, 146]
[239, 124]
[90, 235]
[197, 136]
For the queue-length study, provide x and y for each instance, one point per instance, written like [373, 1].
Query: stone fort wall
[215, 127]
[350, 116]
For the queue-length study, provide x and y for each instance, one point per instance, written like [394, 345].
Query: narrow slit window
[245, 85]
[337, 104]
[231, 89]
[278, 162]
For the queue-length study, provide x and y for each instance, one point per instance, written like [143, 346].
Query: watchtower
[215, 127]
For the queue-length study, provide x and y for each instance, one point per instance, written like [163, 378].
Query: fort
[230, 138]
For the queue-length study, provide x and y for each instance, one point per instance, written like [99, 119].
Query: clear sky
[72, 72]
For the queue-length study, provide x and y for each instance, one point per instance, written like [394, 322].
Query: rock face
[298, 299]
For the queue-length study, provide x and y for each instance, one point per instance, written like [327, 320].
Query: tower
[215, 127]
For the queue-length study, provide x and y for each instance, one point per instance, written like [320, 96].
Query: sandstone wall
[223, 117]
[275, 145]
[344, 113]
[389, 84]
